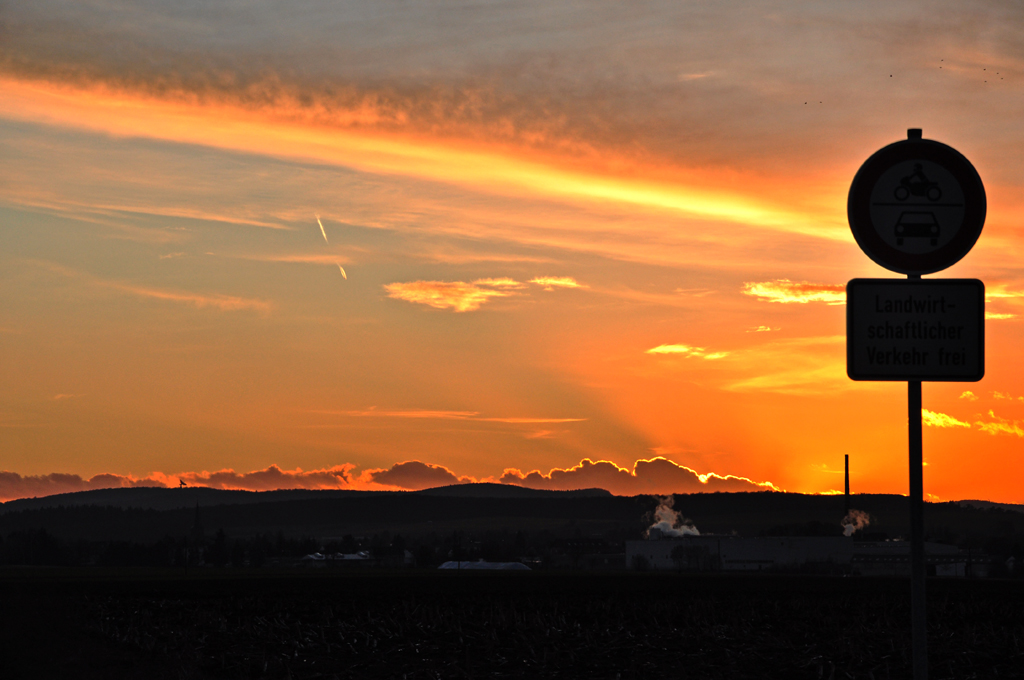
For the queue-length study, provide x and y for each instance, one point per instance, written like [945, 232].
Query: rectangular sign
[914, 329]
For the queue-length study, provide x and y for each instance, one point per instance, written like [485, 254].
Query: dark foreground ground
[223, 624]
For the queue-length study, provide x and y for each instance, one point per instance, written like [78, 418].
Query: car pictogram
[917, 224]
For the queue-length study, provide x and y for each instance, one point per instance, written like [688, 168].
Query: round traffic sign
[916, 206]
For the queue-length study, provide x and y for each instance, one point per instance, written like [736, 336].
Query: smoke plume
[855, 520]
[668, 522]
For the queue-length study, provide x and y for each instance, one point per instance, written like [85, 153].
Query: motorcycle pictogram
[917, 184]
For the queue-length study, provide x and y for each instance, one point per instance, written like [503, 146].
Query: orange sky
[548, 236]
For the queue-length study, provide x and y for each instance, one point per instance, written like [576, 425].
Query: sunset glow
[330, 246]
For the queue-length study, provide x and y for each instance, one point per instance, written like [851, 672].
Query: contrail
[343, 274]
[322, 228]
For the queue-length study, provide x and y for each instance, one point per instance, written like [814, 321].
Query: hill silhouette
[161, 498]
[148, 515]
[490, 490]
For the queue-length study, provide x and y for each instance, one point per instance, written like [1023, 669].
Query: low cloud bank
[13, 485]
[414, 475]
[409, 475]
[656, 476]
[273, 477]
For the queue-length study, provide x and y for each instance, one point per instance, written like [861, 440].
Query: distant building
[361, 559]
[587, 553]
[195, 551]
[892, 558]
[791, 553]
[358, 560]
[198, 536]
[485, 566]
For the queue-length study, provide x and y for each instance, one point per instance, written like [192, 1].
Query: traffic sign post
[915, 330]
[916, 207]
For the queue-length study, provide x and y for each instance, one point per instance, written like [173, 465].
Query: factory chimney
[847, 484]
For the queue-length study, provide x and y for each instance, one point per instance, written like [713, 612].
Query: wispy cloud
[502, 282]
[1001, 291]
[996, 394]
[284, 124]
[456, 295]
[823, 467]
[812, 365]
[295, 258]
[998, 426]
[107, 212]
[687, 351]
[414, 413]
[934, 419]
[695, 292]
[227, 303]
[449, 254]
[798, 292]
[449, 415]
[1001, 428]
[219, 301]
[552, 282]
[527, 421]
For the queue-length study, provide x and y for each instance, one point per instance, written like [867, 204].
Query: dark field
[497, 625]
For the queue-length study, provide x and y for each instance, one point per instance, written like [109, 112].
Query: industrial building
[796, 553]
[687, 550]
